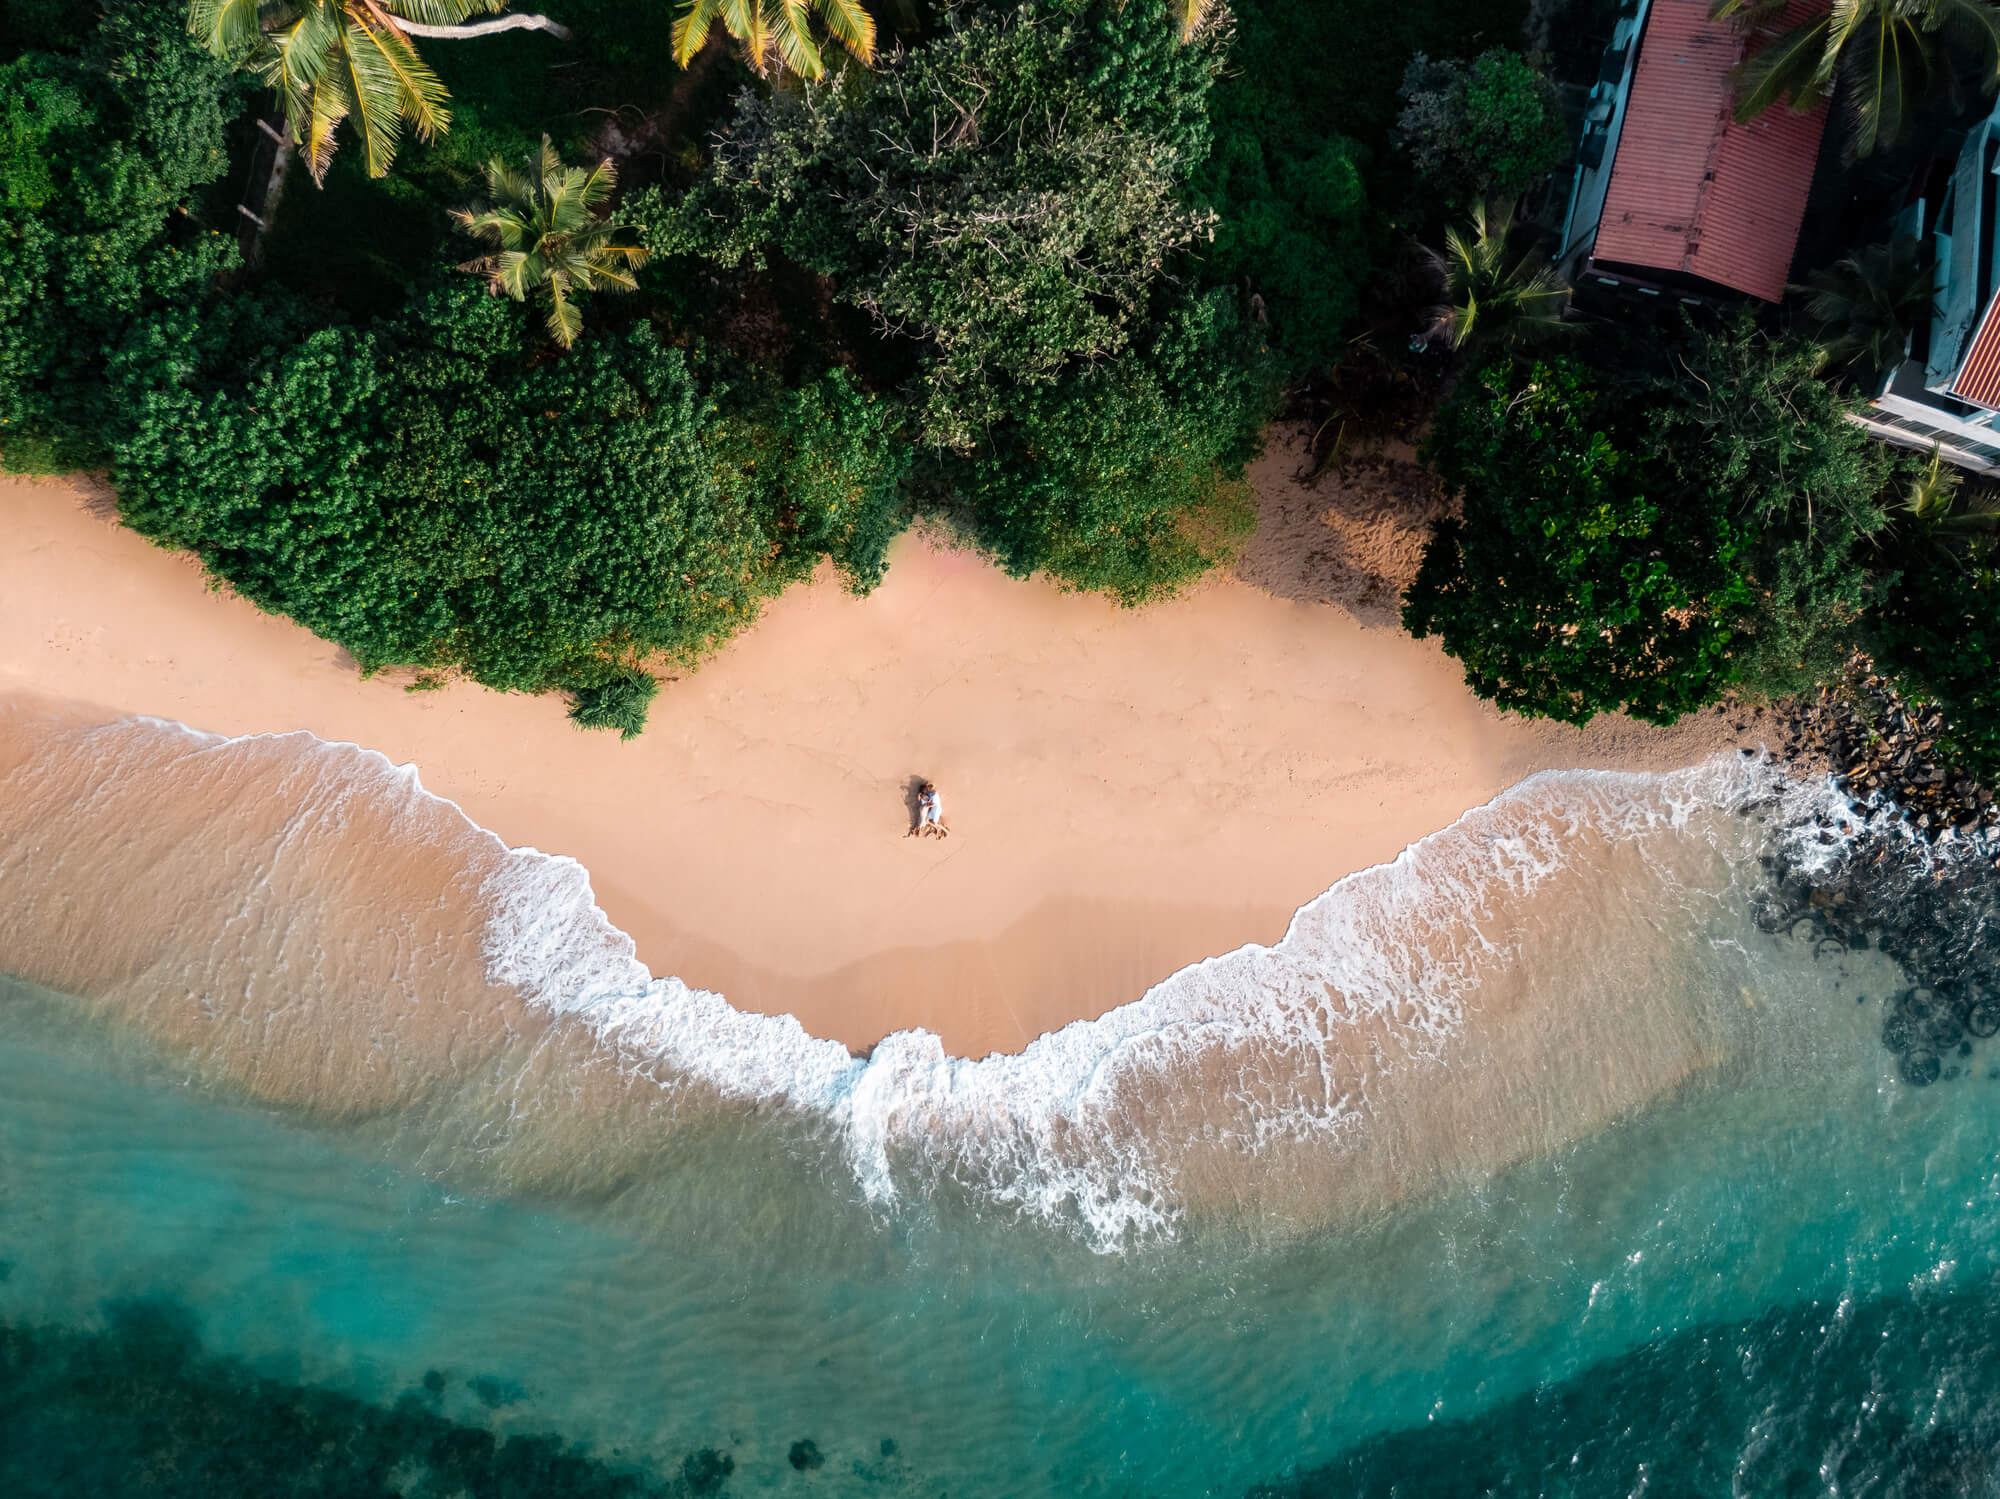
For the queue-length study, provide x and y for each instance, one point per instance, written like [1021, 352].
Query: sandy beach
[1128, 791]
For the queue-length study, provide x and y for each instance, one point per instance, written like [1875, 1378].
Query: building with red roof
[1673, 196]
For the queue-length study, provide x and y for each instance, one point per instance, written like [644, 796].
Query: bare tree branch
[484, 28]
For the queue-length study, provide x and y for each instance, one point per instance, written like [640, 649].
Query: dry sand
[1128, 791]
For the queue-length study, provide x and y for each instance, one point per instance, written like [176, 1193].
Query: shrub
[620, 702]
[1009, 194]
[1642, 544]
[1487, 130]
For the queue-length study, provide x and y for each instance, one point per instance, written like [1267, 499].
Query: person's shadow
[913, 790]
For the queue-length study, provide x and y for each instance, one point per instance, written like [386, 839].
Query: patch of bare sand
[1130, 791]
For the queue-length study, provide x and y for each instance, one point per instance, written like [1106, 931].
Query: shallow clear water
[1530, 1164]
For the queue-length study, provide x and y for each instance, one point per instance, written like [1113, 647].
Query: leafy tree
[103, 157]
[1566, 589]
[1115, 478]
[329, 59]
[1938, 634]
[433, 494]
[1009, 194]
[826, 461]
[1490, 129]
[778, 33]
[552, 242]
[1495, 296]
[1892, 56]
[1866, 306]
[1642, 545]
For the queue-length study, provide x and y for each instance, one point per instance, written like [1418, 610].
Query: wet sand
[1129, 791]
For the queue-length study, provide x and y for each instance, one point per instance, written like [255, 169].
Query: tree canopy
[1642, 544]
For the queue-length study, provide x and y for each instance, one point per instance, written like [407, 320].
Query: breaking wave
[301, 920]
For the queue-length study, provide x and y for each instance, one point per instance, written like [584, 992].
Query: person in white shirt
[930, 813]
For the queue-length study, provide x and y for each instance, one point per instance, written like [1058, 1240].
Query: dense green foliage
[1308, 190]
[1008, 204]
[1008, 196]
[1644, 544]
[435, 493]
[103, 155]
[1938, 631]
[1487, 130]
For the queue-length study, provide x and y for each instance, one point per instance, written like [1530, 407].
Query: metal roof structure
[1978, 378]
[1691, 190]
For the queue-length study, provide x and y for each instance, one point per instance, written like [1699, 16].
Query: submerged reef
[137, 1407]
[1891, 1397]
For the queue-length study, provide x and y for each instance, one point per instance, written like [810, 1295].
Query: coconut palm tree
[1867, 305]
[1893, 55]
[329, 59]
[1491, 294]
[551, 243]
[778, 33]
[1191, 14]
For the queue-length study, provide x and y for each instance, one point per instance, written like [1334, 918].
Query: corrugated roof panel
[1691, 190]
[1978, 379]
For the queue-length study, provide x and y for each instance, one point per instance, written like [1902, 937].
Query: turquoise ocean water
[1531, 1164]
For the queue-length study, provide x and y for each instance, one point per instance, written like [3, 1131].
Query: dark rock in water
[495, 1393]
[1921, 1068]
[888, 1446]
[806, 1454]
[707, 1470]
[434, 1381]
[1982, 1018]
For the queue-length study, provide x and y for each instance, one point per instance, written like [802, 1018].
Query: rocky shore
[1910, 870]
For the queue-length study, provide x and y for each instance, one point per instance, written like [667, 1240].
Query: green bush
[103, 156]
[437, 493]
[1487, 130]
[1116, 478]
[1008, 195]
[1938, 635]
[620, 702]
[1643, 544]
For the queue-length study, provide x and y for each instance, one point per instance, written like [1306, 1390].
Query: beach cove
[1131, 791]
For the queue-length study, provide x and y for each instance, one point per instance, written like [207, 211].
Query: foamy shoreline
[1132, 792]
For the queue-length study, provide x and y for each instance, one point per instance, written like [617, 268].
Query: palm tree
[329, 59]
[1493, 295]
[1867, 305]
[1191, 14]
[777, 33]
[551, 242]
[1894, 55]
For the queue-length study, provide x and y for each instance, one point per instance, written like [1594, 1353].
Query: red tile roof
[1692, 190]
[1978, 379]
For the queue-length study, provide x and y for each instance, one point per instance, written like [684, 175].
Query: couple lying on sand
[930, 814]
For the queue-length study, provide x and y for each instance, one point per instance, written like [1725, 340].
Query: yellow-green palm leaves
[778, 33]
[1191, 14]
[1491, 294]
[549, 241]
[1892, 55]
[332, 60]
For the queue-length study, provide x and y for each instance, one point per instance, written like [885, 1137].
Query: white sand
[1128, 791]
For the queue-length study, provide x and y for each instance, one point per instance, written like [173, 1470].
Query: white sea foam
[1313, 1042]
[1059, 1130]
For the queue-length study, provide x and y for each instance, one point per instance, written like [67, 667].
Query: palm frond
[849, 24]
[226, 27]
[792, 30]
[1788, 67]
[1192, 14]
